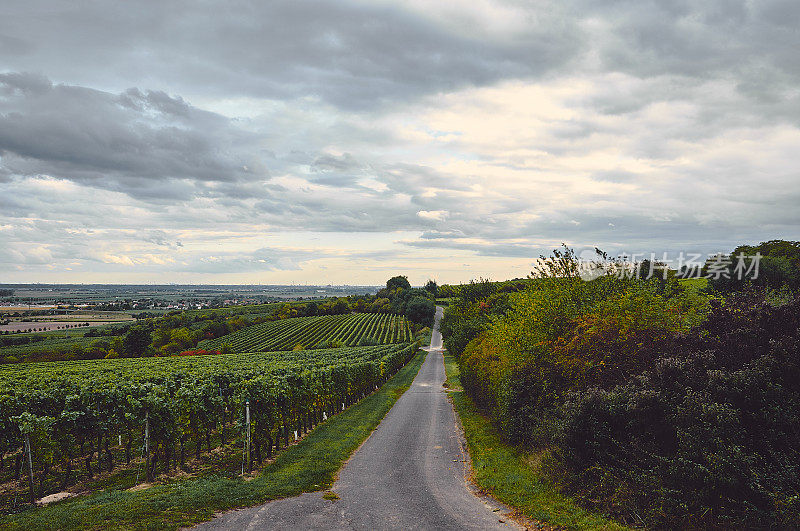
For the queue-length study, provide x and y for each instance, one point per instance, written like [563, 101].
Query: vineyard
[68, 416]
[315, 332]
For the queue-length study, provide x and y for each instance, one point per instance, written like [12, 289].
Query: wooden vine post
[247, 419]
[147, 445]
[30, 464]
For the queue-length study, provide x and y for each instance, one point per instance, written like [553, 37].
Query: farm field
[313, 332]
[60, 343]
[55, 340]
[309, 465]
[25, 307]
[46, 326]
[64, 340]
[35, 377]
[85, 416]
[53, 294]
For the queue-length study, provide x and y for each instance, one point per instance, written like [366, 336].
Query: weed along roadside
[309, 465]
[505, 473]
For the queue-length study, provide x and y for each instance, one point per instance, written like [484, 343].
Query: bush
[420, 310]
[779, 267]
[564, 334]
[708, 437]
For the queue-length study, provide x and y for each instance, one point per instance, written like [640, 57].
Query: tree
[431, 287]
[476, 290]
[398, 282]
[340, 306]
[420, 310]
[778, 266]
[136, 341]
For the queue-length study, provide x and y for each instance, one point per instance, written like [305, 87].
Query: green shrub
[778, 268]
[564, 334]
[708, 437]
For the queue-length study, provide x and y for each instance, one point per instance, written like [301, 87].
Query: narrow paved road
[409, 474]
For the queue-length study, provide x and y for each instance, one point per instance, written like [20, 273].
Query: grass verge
[310, 465]
[508, 474]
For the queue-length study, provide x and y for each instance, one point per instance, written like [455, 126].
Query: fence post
[247, 417]
[147, 445]
[30, 464]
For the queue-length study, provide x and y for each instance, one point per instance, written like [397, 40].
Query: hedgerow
[563, 334]
[708, 436]
[666, 407]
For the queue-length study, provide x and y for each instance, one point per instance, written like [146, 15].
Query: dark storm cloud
[352, 54]
[357, 55]
[136, 142]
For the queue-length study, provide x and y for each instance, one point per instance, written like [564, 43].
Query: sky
[346, 142]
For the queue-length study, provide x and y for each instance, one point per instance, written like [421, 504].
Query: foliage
[778, 267]
[476, 290]
[136, 341]
[663, 405]
[565, 333]
[310, 465]
[415, 304]
[183, 398]
[505, 471]
[432, 288]
[398, 282]
[420, 310]
[705, 437]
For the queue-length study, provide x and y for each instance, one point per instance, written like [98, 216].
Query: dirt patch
[58, 496]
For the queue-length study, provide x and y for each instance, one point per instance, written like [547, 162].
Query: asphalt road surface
[409, 474]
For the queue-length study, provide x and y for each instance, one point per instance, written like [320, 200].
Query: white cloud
[437, 215]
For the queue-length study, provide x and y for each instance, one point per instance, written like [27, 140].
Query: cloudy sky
[345, 142]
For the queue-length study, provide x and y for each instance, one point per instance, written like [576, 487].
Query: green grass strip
[501, 470]
[310, 465]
